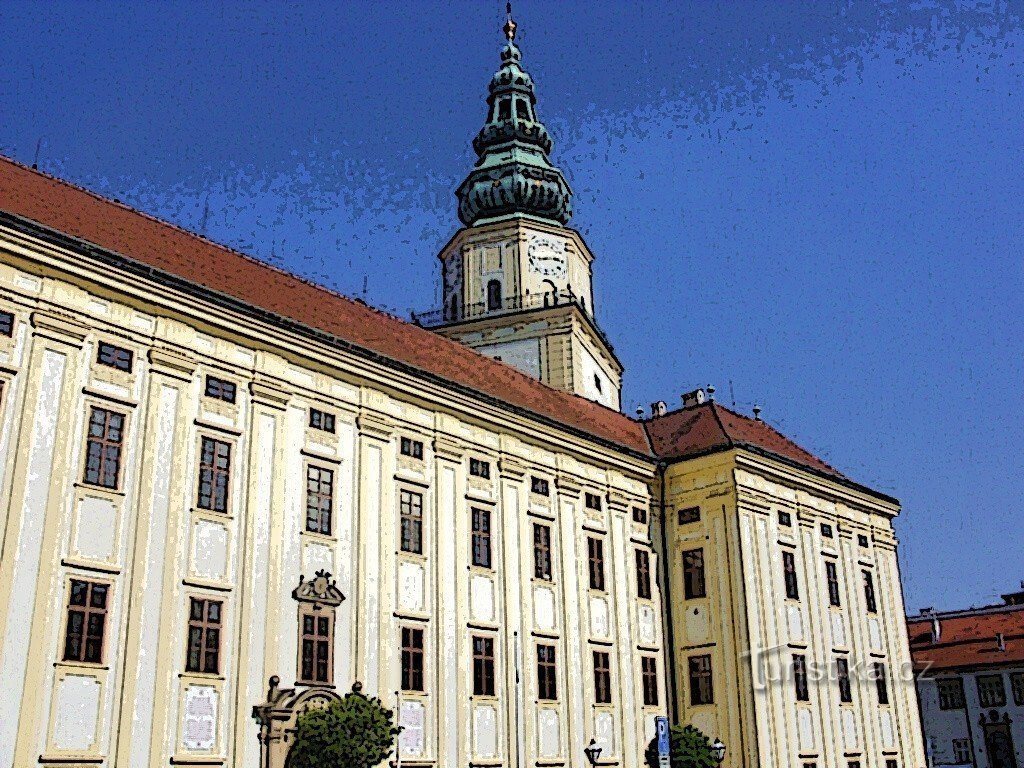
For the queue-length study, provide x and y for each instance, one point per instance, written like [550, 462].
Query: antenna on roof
[732, 394]
[364, 288]
[206, 217]
[711, 392]
[35, 160]
[757, 412]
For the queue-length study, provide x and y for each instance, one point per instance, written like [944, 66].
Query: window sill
[113, 494]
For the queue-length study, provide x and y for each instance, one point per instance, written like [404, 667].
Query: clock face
[547, 256]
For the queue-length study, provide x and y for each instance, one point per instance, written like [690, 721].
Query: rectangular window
[481, 539]
[6, 324]
[595, 561]
[890, 763]
[701, 687]
[800, 677]
[214, 474]
[643, 575]
[480, 468]
[412, 659]
[203, 636]
[411, 513]
[602, 678]
[649, 676]
[540, 486]
[869, 592]
[951, 693]
[789, 575]
[853, 764]
[321, 420]
[862, 541]
[87, 619]
[689, 515]
[826, 530]
[991, 692]
[785, 519]
[593, 501]
[542, 551]
[640, 515]
[962, 751]
[1017, 686]
[547, 687]
[832, 576]
[114, 357]
[843, 677]
[319, 499]
[410, 447]
[881, 684]
[317, 655]
[220, 389]
[693, 574]
[483, 666]
[103, 448]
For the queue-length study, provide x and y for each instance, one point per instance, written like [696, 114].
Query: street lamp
[718, 750]
[593, 752]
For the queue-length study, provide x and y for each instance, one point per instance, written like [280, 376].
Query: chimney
[690, 399]
[658, 408]
[936, 629]
[1000, 642]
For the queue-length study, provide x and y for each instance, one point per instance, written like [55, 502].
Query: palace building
[228, 493]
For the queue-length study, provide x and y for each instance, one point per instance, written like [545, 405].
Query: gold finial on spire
[510, 25]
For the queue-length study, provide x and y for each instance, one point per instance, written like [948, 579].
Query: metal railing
[508, 305]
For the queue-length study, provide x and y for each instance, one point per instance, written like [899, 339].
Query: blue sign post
[661, 727]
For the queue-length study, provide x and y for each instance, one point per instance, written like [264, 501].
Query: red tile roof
[61, 206]
[968, 639]
[711, 427]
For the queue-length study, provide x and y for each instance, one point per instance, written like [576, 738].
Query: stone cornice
[270, 392]
[374, 425]
[62, 328]
[171, 363]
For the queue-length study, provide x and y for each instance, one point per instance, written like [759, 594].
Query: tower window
[505, 109]
[522, 111]
[494, 295]
[597, 382]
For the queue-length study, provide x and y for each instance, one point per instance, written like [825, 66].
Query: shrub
[354, 732]
[688, 748]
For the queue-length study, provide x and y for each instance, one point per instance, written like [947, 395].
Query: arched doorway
[998, 740]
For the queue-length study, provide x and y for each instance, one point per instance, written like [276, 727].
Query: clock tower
[516, 278]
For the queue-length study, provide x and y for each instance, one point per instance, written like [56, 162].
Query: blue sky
[814, 205]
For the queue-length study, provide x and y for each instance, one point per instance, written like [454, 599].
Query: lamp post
[593, 752]
[718, 750]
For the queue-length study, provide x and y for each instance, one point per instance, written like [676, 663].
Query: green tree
[688, 748]
[355, 732]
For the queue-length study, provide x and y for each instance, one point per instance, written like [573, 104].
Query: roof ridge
[196, 235]
[721, 426]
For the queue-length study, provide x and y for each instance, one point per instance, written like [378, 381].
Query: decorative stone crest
[321, 590]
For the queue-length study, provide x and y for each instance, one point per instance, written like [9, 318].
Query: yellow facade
[155, 548]
[743, 511]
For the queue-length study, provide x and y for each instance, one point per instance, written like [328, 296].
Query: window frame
[8, 322]
[843, 680]
[1017, 688]
[881, 683]
[785, 519]
[480, 538]
[104, 444]
[800, 685]
[789, 575]
[643, 574]
[327, 421]
[217, 388]
[413, 675]
[315, 523]
[695, 585]
[700, 675]
[649, 679]
[118, 358]
[410, 521]
[542, 554]
[88, 611]
[411, 447]
[480, 468]
[832, 579]
[203, 626]
[595, 563]
[602, 661]
[540, 482]
[211, 473]
[639, 515]
[547, 672]
[592, 501]
[688, 515]
[951, 694]
[870, 596]
[484, 677]
[320, 645]
[984, 697]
